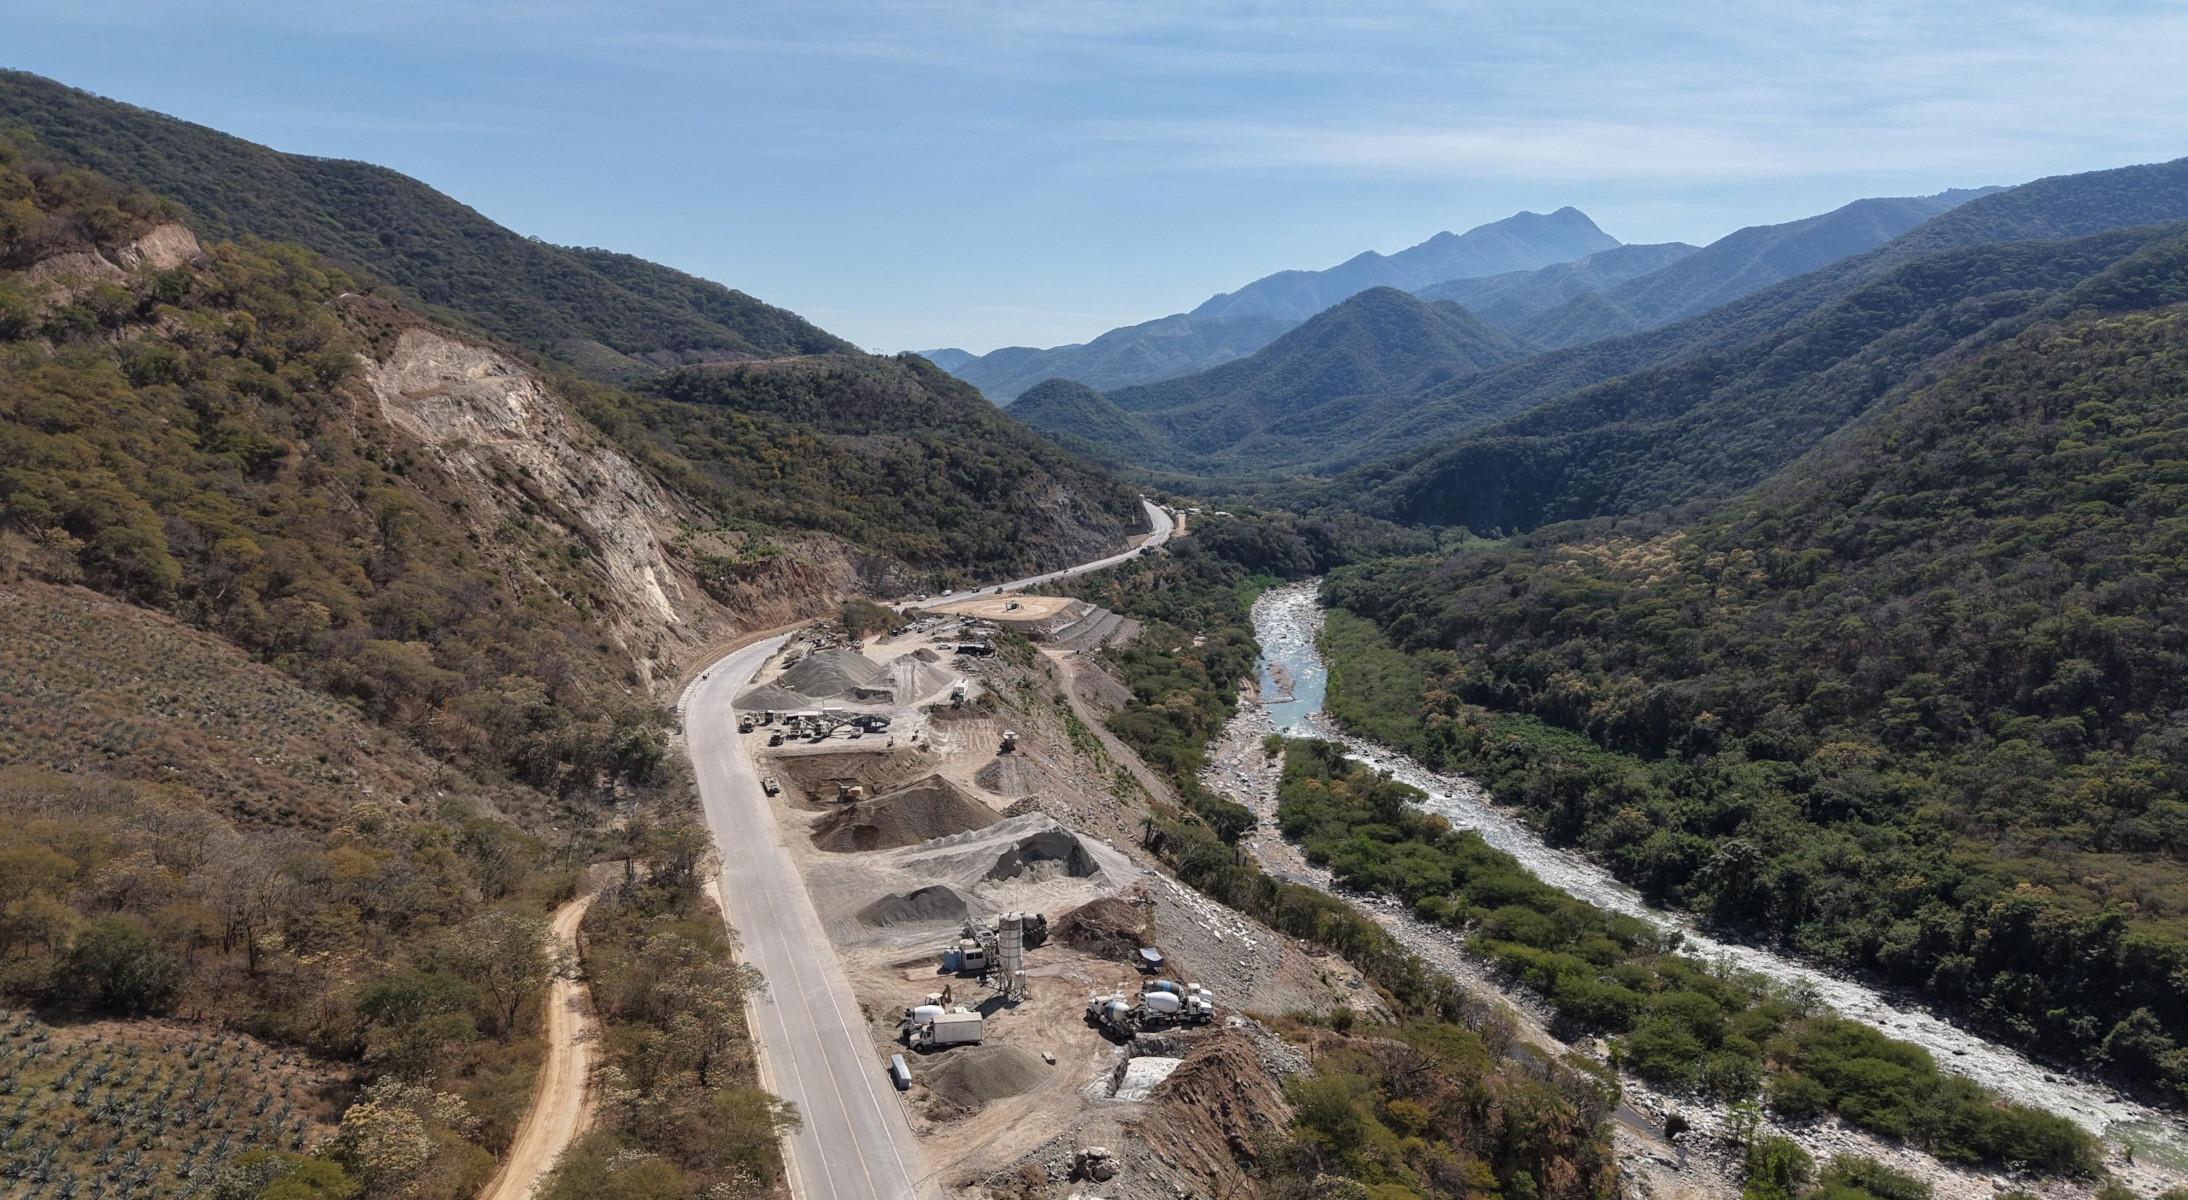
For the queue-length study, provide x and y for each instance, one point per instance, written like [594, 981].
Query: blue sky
[979, 174]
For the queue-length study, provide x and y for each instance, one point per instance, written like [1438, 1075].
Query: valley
[1523, 716]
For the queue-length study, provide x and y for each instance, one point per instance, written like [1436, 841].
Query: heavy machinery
[770, 785]
[997, 952]
[744, 723]
[870, 722]
[1160, 1004]
[1010, 740]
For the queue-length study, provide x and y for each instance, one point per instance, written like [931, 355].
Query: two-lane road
[814, 1046]
[1158, 519]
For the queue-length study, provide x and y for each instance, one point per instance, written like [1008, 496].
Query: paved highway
[1156, 516]
[814, 1046]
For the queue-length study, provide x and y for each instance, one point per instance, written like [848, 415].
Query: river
[1295, 683]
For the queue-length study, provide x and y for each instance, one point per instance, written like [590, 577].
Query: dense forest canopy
[1915, 707]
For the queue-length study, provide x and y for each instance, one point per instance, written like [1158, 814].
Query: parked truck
[962, 1027]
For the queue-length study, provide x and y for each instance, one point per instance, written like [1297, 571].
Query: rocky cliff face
[521, 454]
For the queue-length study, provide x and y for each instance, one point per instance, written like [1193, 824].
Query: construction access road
[1158, 518]
[815, 1051]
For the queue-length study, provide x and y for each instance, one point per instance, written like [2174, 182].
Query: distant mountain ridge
[1152, 351]
[610, 315]
[1233, 325]
[1742, 262]
[1521, 242]
[1707, 404]
[1507, 300]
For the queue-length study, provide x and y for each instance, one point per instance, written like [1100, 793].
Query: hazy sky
[913, 175]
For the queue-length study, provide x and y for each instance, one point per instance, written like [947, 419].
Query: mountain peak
[1523, 241]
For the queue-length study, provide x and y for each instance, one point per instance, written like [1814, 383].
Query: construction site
[1046, 1002]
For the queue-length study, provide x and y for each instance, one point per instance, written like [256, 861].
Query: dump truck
[962, 1027]
[771, 785]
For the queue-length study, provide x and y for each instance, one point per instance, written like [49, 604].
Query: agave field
[144, 1109]
[90, 684]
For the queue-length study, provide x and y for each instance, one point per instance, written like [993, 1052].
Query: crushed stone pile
[770, 697]
[1012, 775]
[931, 903]
[819, 775]
[924, 654]
[1106, 928]
[837, 675]
[920, 811]
[1215, 1103]
[974, 1075]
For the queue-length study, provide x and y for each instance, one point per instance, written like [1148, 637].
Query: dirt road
[562, 1099]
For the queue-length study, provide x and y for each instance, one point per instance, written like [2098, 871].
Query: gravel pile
[930, 808]
[835, 675]
[974, 1075]
[931, 903]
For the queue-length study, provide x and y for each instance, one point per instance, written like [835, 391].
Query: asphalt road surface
[814, 1046]
[1160, 520]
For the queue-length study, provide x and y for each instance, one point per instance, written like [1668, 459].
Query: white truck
[962, 1027]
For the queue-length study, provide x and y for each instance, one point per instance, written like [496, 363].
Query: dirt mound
[1106, 928]
[819, 775]
[837, 675]
[1012, 775]
[973, 1076]
[1214, 1104]
[929, 808]
[924, 654]
[911, 678]
[931, 903]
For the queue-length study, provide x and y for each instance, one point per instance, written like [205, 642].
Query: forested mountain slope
[1507, 300]
[2067, 206]
[338, 641]
[1717, 423]
[611, 315]
[1916, 706]
[1317, 385]
[1744, 261]
[1084, 421]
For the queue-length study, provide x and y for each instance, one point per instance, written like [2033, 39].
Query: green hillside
[611, 314]
[891, 454]
[2065, 206]
[1916, 707]
[1722, 421]
[1320, 385]
[1081, 419]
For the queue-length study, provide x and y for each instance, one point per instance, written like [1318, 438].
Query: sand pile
[931, 903]
[971, 1077]
[819, 775]
[1215, 1103]
[929, 808]
[837, 675]
[1106, 928]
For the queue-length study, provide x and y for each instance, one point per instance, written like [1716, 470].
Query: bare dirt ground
[1010, 606]
[562, 1100]
[988, 1118]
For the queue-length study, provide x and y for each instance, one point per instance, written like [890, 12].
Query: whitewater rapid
[1287, 621]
